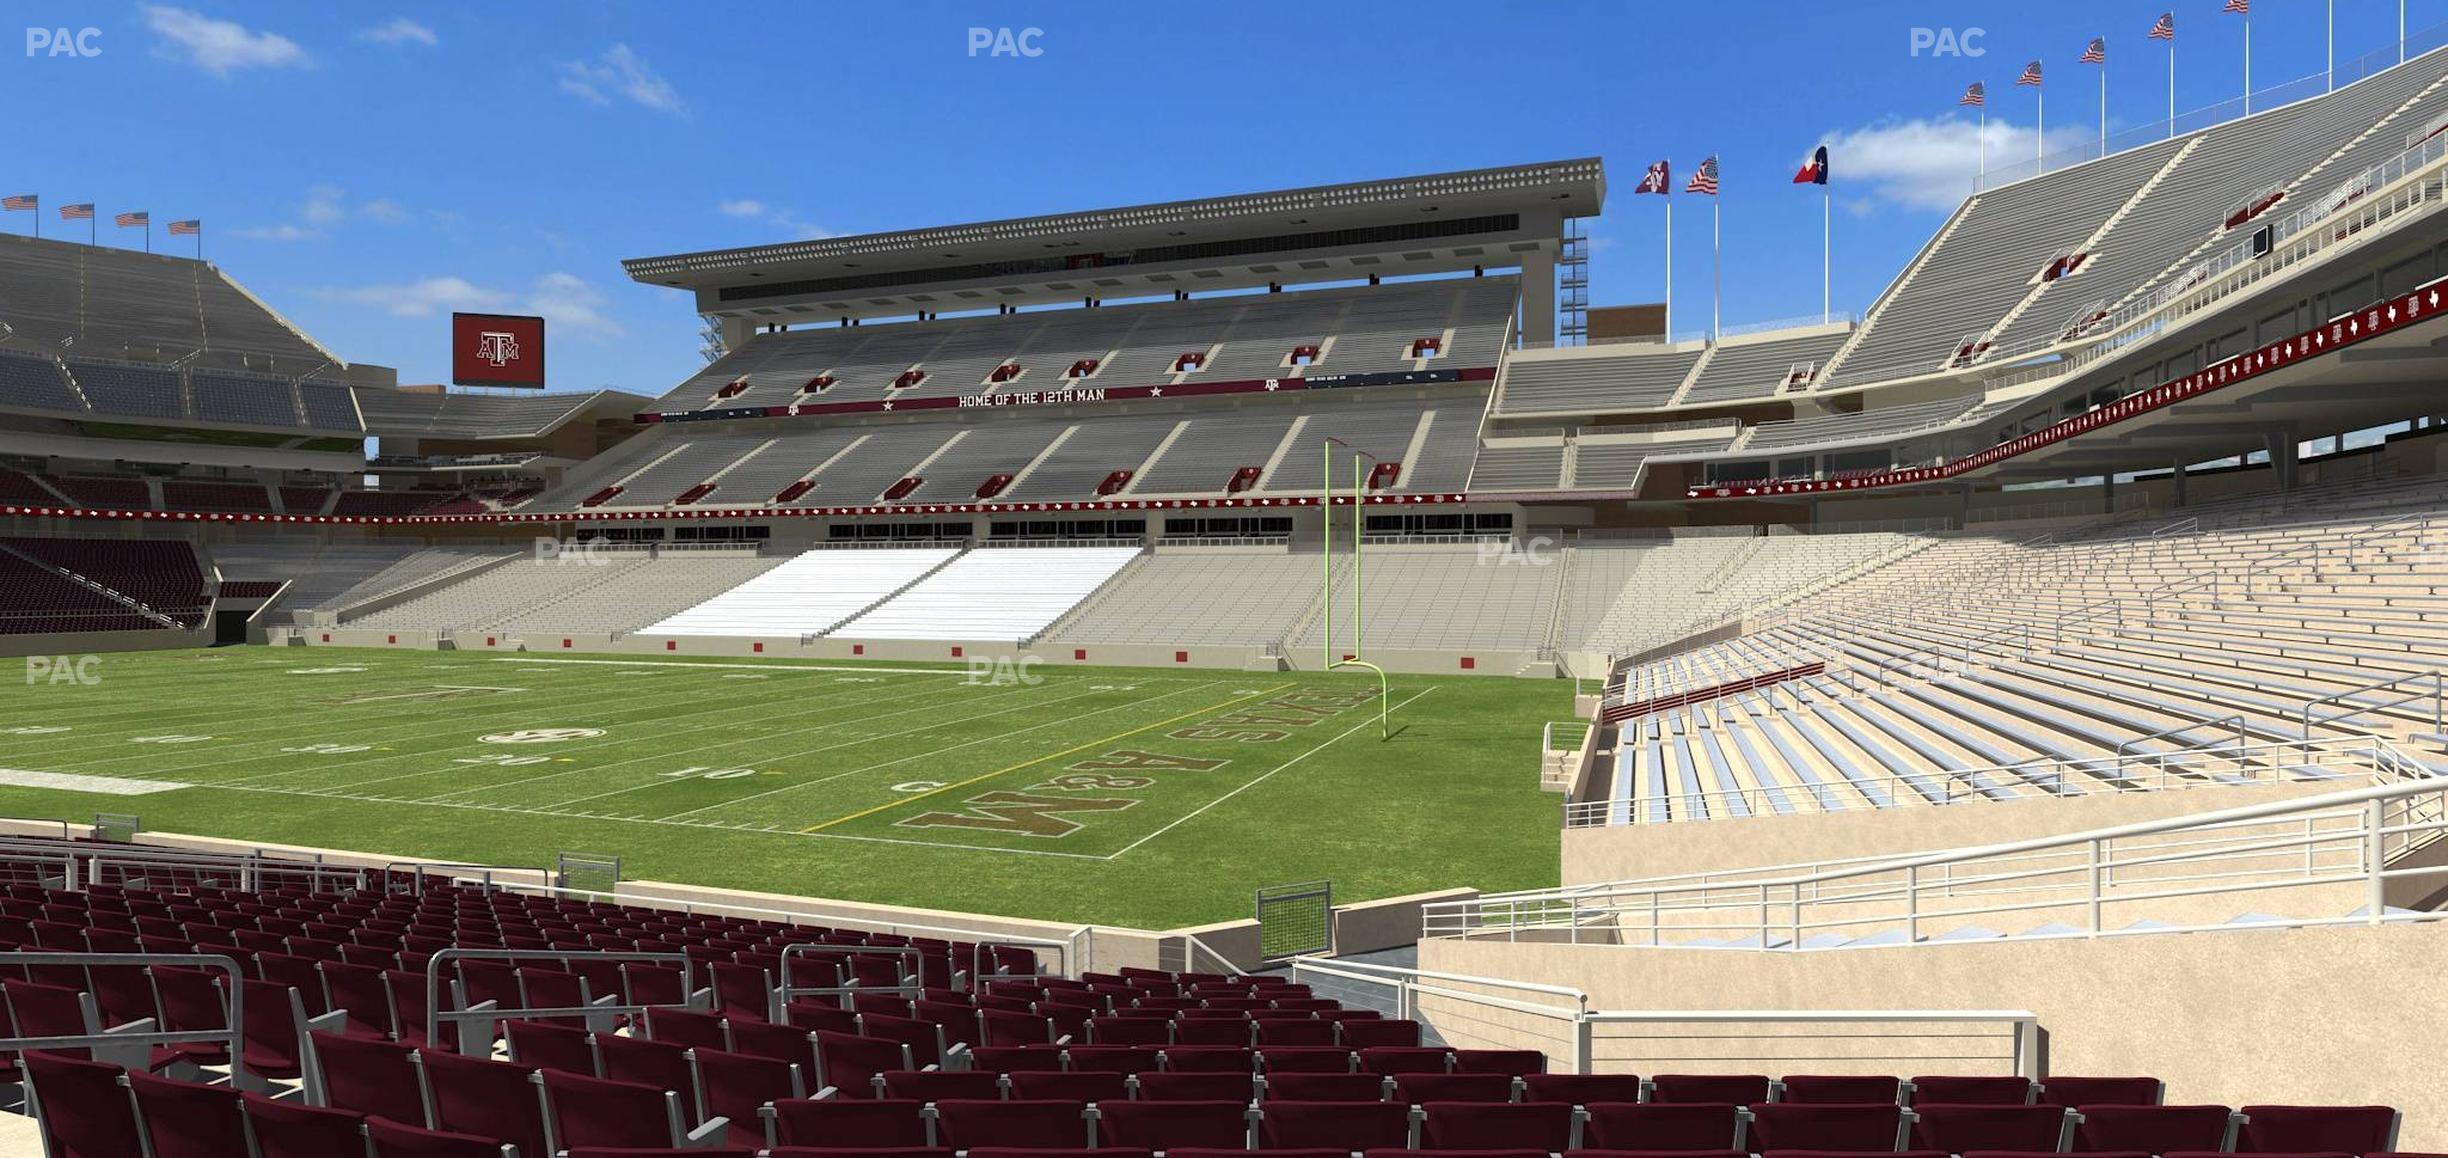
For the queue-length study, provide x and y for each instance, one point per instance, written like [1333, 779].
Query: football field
[1118, 795]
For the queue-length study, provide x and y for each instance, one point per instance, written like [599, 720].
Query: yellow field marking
[1042, 759]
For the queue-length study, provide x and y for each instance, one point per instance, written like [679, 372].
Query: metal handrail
[2347, 711]
[437, 1014]
[2419, 802]
[2237, 721]
[829, 920]
[231, 1036]
[778, 1006]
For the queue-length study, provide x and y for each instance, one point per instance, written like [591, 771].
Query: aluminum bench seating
[1905, 772]
[1931, 754]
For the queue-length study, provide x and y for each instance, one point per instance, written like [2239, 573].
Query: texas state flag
[1815, 170]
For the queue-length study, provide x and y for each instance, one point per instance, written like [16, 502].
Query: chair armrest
[707, 1136]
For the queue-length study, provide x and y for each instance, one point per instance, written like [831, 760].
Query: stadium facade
[1943, 608]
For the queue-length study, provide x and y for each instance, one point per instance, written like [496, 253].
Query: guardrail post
[2375, 826]
[1912, 904]
[1582, 1033]
[2097, 878]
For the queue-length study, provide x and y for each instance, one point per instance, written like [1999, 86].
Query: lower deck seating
[1986, 669]
[910, 1045]
[993, 593]
[69, 585]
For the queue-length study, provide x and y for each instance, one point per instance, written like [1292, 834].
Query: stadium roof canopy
[1439, 222]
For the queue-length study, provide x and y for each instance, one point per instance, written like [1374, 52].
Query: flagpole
[1716, 264]
[1827, 253]
[2039, 128]
[2171, 87]
[2329, 59]
[2248, 62]
[1669, 263]
[1984, 143]
[2103, 108]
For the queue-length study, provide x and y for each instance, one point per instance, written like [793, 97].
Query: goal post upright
[1359, 532]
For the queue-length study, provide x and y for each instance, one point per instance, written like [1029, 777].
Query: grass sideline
[1145, 797]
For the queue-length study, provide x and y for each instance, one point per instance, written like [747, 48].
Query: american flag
[187, 228]
[77, 212]
[1704, 179]
[2031, 75]
[2242, 6]
[20, 201]
[2166, 28]
[1975, 96]
[2096, 52]
[132, 220]
[1656, 180]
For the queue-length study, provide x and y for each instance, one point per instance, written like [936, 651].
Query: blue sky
[369, 167]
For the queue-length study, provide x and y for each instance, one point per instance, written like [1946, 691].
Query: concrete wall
[1055, 653]
[2334, 1015]
[98, 642]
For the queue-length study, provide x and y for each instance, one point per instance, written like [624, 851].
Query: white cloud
[219, 47]
[325, 207]
[571, 303]
[620, 72]
[750, 209]
[566, 300]
[400, 30]
[420, 299]
[281, 232]
[1933, 164]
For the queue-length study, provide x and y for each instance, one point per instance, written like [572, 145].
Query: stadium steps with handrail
[418, 583]
[1095, 599]
[1895, 289]
[97, 588]
[2350, 146]
[2293, 189]
[1153, 457]
[74, 387]
[2091, 244]
[895, 593]
[1699, 366]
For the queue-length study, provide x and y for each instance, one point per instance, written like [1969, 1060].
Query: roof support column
[2281, 444]
[1538, 278]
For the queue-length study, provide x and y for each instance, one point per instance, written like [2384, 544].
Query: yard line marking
[712, 704]
[105, 785]
[1042, 759]
[518, 811]
[810, 730]
[755, 666]
[1193, 813]
[951, 748]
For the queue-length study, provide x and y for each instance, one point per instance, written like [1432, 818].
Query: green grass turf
[1129, 796]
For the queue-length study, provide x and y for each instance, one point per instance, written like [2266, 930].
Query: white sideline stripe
[1195, 813]
[751, 666]
[71, 782]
